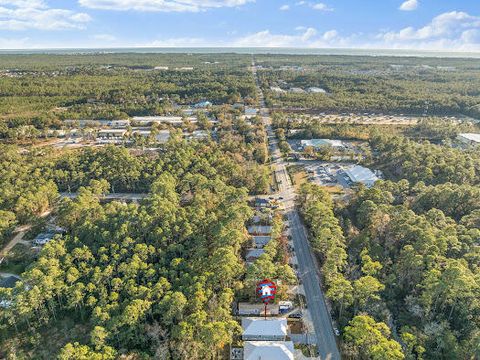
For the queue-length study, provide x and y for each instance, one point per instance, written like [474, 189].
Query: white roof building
[268, 350]
[360, 174]
[317, 143]
[260, 329]
[469, 138]
[173, 120]
[112, 133]
[316, 90]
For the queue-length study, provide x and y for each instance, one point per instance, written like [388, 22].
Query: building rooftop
[268, 350]
[261, 241]
[471, 136]
[259, 230]
[250, 111]
[360, 174]
[254, 254]
[261, 327]
[322, 142]
[257, 309]
[8, 282]
[316, 90]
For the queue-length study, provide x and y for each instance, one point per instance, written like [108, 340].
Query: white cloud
[161, 5]
[284, 7]
[309, 37]
[35, 14]
[453, 31]
[409, 5]
[447, 26]
[321, 7]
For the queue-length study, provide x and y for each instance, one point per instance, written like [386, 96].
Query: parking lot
[328, 174]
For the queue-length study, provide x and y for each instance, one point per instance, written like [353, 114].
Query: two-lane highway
[308, 270]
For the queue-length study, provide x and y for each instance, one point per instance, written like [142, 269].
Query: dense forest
[153, 278]
[416, 86]
[43, 90]
[401, 260]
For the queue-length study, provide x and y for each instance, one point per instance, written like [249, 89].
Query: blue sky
[406, 24]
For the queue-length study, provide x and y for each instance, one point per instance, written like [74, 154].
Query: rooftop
[8, 282]
[471, 137]
[254, 253]
[260, 326]
[268, 350]
[322, 142]
[261, 241]
[260, 229]
[361, 174]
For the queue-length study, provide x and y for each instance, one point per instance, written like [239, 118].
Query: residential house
[259, 230]
[260, 329]
[253, 254]
[257, 309]
[268, 350]
[261, 241]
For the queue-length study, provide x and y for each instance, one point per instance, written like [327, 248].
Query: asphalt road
[326, 342]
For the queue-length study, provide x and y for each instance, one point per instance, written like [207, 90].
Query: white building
[268, 350]
[316, 90]
[260, 329]
[318, 143]
[297, 90]
[360, 174]
[112, 133]
[277, 89]
[172, 120]
[469, 139]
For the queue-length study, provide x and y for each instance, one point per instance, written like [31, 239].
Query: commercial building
[161, 137]
[319, 143]
[268, 350]
[112, 133]
[170, 120]
[260, 329]
[469, 139]
[360, 174]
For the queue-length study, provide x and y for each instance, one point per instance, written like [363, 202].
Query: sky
[378, 24]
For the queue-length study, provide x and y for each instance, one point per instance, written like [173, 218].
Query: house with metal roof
[259, 230]
[261, 241]
[257, 309]
[268, 350]
[253, 254]
[260, 329]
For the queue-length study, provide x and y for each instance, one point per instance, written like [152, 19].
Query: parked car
[297, 315]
